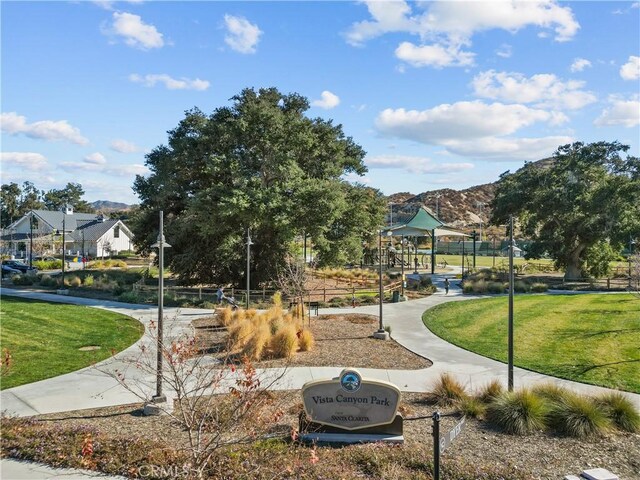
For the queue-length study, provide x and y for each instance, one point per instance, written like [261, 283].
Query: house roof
[93, 230]
[71, 221]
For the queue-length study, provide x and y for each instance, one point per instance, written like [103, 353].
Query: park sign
[350, 402]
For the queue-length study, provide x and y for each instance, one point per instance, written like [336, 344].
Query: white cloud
[579, 64]
[506, 149]
[461, 120]
[123, 146]
[327, 100]
[436, 56]
[418, 165]
[28, 160]
[104, 168]
[505, 51]
[542, 90]
[631, 69]
[14, 124]
[169, 82]
[95, 159]
[243, 36]
[445, 28]
[135, 32]
[355, 178]
[620, 112]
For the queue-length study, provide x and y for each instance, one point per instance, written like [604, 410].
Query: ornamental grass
[575, 415]
[447, 391]
[620, 411]
[519, 413]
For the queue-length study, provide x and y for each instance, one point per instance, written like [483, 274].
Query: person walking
[446, 286]
[220, 294]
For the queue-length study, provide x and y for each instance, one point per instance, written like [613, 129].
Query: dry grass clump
[447, 391]
[306, 340]
[258, 341]
[284, 344]
[271, 333]
[491, 391]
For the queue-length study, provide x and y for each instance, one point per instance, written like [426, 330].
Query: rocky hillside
[457, 208]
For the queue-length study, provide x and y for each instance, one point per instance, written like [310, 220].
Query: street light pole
[381, 334]
[31, 240]
[402, 266]
[161, 245]
[64, 217]
[249, 243]
[511, 282]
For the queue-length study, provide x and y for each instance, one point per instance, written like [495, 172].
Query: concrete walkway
[92, 388]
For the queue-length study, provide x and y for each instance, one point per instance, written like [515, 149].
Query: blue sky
[439, 94]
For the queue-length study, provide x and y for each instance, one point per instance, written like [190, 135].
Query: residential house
[84, 234]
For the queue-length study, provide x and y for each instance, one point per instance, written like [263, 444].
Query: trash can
[395, 298]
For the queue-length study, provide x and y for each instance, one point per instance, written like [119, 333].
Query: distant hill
[107, 206]
[457, 208]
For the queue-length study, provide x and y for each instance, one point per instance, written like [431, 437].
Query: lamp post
[64, 217]
[402, 266]
[31, 240]
[249, 243]
[463, 256]
[381, 334]
[510, 341]
[160, 245]
[631, 244]
[474, 236]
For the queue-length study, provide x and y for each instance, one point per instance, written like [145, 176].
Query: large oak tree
[579, 207]
[262, 164]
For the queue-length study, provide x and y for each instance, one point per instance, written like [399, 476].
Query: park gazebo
[422, 223]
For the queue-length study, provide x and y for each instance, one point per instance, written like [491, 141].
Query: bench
[313, 306]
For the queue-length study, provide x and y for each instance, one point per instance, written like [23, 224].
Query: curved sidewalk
[91, 388]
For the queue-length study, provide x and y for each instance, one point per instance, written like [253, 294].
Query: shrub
[491, 391]
[20, 279]
[520, 287]
[387, 328]
[306, 340]
[620, 411]
[468, 287]
[47, 281]
[73, 281]
[472, 407]
[538, 287]
[88, 281]
[284, 343]
[496, 287]
[47, 264]
[577, 416]
[446, 391]
[519, 413]
[260, 338]
[481, 286]
[129, 297]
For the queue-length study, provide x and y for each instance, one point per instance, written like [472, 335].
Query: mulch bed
[537, 456]
[340, 341]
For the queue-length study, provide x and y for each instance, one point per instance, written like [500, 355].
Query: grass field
[43, 338]
[587, 338]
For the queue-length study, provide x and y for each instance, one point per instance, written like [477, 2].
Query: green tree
[71, 194]
[574, 203]
[259, 164]
[9, 203]
[30, 198]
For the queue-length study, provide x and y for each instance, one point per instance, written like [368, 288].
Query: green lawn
[43, 338]
[587, 338]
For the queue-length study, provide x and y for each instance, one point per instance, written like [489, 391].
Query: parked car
[7, 271]
[19, 266]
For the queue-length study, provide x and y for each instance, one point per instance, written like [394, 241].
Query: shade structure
[422, 224]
